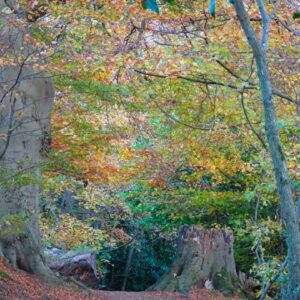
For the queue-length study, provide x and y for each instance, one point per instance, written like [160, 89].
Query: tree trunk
[127, 268]
[282, 181]
[203, 256]
[26, 101]
[276, 151]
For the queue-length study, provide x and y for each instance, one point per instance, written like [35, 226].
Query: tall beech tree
[26, 97]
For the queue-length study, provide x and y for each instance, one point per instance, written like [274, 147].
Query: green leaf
[144, 4]
[249, 196]
[212, 7]
[296, 15]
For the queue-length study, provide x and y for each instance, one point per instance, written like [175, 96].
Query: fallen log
[80, 266]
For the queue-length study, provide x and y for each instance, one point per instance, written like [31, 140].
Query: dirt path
[18, 285]
[196, 295]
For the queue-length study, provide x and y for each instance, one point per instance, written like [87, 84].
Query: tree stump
[204, 258]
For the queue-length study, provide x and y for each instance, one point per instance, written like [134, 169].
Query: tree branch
[250, 123]
[247, 26]
[205, 128]
[196, 80]
[284, 25]
[251, 86]
[273, 279]
[283, 95]
[10, 123]
[265, 24]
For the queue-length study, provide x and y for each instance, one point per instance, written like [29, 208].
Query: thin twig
[10, 128]
[250, 123]
[205, 128]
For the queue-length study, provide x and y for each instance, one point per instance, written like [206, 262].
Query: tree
[26, 97]
[259, 49]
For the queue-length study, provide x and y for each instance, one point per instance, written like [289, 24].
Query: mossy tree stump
[202, 255]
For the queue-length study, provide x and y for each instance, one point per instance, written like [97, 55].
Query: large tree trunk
[204, 256]
[26, 101]
[276, 151]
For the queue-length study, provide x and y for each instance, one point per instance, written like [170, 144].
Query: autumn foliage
[157, 122]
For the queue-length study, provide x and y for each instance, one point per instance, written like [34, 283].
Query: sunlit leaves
[69, 232]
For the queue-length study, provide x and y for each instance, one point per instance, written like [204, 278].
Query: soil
[19, 285]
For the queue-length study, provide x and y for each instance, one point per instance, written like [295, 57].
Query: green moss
[222, 281]
[173, 285]
[243, 296]
[5, 275]
[13, 225]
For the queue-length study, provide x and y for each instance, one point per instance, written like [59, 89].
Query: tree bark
[276, 151]
[203, 256]
[26, 101]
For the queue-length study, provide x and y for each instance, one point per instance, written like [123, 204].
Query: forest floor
[19, 285]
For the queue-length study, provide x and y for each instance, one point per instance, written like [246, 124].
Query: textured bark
[276, 150]
[202, 255]
[26, 102]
